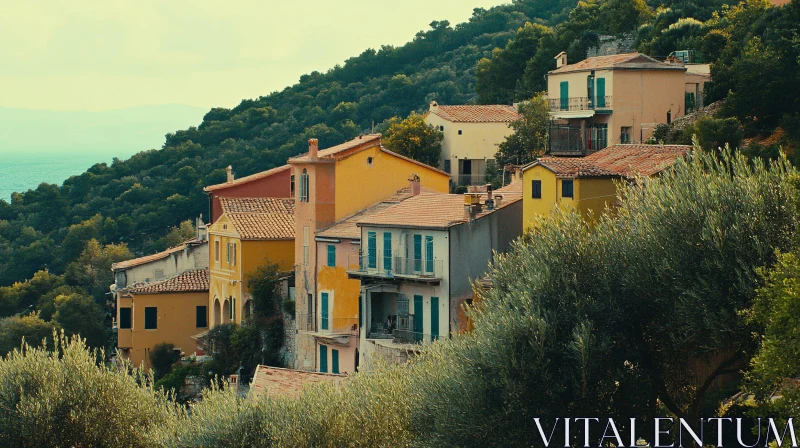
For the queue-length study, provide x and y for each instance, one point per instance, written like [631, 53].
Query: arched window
[304, 186]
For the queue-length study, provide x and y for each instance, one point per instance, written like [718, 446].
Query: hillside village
[373, 249]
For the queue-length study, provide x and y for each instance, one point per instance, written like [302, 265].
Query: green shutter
[429, 254]
[434, 318]
[325, 311]
[360, 313]
[417, 253]
[372, 256]
[419, 316]
[323, 358]
[387, 251]
[601, 92]
[331, 255]
[334, 361]
[564, 95]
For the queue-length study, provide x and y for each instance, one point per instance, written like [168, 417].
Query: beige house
[607, 100]
[471, 137]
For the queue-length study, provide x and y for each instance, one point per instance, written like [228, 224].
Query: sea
[21, 171]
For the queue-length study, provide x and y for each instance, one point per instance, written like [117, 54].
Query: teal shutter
[429, 254]
[372, 256]
[419, 316]
[387, 251]
[434, 318]
[360, 314]
[564, 95]
[601, 92]
[325, 311]
[417, 253]
[323, 358]
[334, 361]
[331, 255]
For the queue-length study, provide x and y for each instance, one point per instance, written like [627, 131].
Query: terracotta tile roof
[492, 113]
[247, 179]
[260, 218]
[342, 150]
[616, 161]
[195, 280]
[618, 61]
[278, 382]
[150, 258]
[347, 228]
[433, 211]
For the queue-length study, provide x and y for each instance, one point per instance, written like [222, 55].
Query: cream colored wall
[578, 86]
[176, 324]
[359, 185]
[643, 98]
[196, 257]
[478, 140]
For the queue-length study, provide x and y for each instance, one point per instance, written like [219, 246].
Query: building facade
[332, 184]
[471, 137]
[274, 183]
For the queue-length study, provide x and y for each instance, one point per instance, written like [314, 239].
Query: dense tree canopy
[412, 137]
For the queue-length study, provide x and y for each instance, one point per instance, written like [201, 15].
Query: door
[334, 361]
[434, 318]
[419, 317]
[323, 358]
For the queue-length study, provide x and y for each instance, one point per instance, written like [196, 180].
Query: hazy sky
[109, 54]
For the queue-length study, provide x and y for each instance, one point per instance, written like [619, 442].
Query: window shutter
[417, 253]
[325, 318]
[323, 359]
[201, 317]
[601, 92]
[387, 251]
[372, 256]
[567, 188]
[564, 95]
[331, 255]
[334, 361]
[125, 318]
[429, 254]
[434, 317]
[419, 316]
[536, 189]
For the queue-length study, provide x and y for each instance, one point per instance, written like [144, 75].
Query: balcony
[574, 141]
[313, 322]
[469, 179]
[579, 103]
[399, 268]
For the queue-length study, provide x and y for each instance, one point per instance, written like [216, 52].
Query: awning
[567, 114]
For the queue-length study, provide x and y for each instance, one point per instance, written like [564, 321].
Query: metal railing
[575, 103]
[400, 267]
[569, 140]
[469, 179]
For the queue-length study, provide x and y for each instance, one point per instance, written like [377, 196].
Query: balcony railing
[469, 179]
[412, 337]
[325, 324]
[399, 267]
[577, 103]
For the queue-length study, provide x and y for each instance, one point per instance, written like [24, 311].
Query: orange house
[332, 184]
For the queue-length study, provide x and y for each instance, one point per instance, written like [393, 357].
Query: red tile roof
[618, 61]
[260, 218]
[275, 381]
[492, 113]
[436, 210]
[247, 179]
[626, 161]
[149, 258]
[195, 280]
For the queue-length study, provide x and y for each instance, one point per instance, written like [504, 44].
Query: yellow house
[331, 185]
[472, 135]
[168, 311]
[250, 232]
[588, 184]
[606, 100]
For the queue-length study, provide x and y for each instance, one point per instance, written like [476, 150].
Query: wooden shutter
[323, 358]
[429, 254]
[331, 255]
[372, 255]
[601, 92]
[419, 316]
[564, 95]
[325, 316]
[387, 251]
[536, 189]
[434, 317]
[417, 253]
[334, 361]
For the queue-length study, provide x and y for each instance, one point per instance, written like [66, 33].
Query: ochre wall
[176, 323]
[277, 185]
[595, 195]
[224, 277]
[344, 292]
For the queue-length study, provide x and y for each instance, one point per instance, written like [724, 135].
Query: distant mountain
[118, 132]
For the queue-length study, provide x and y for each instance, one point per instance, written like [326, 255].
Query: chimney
[434, 105]
[414, 185]
[313, 147]
[561, 59]
[489, 198]
[229, 173]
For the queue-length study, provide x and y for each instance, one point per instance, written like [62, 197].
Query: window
[566, 188]
[419, 318]
[232, 309]
[429, 254]
[201, 317]
[304, 186]
[125, 318]
[564, 95]
[417, 253]
[387, 251]
[447, 166]
[625, 134]
[228, 253]
[325, 317]
[334, 361]
[150, 318]
[216, 250]
[441, 128]
[372, 256]
[369, 161]
[460, 132]
[234, 254]
[323, 358]
[331, 255]
[291, 186]
[434, 317]
[305, 246]
[536, 189]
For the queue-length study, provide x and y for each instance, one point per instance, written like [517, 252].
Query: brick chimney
[561, 59]
[414, 185]
[229, 173]
[313, 148]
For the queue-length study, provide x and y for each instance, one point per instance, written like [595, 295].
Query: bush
[162, 358]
